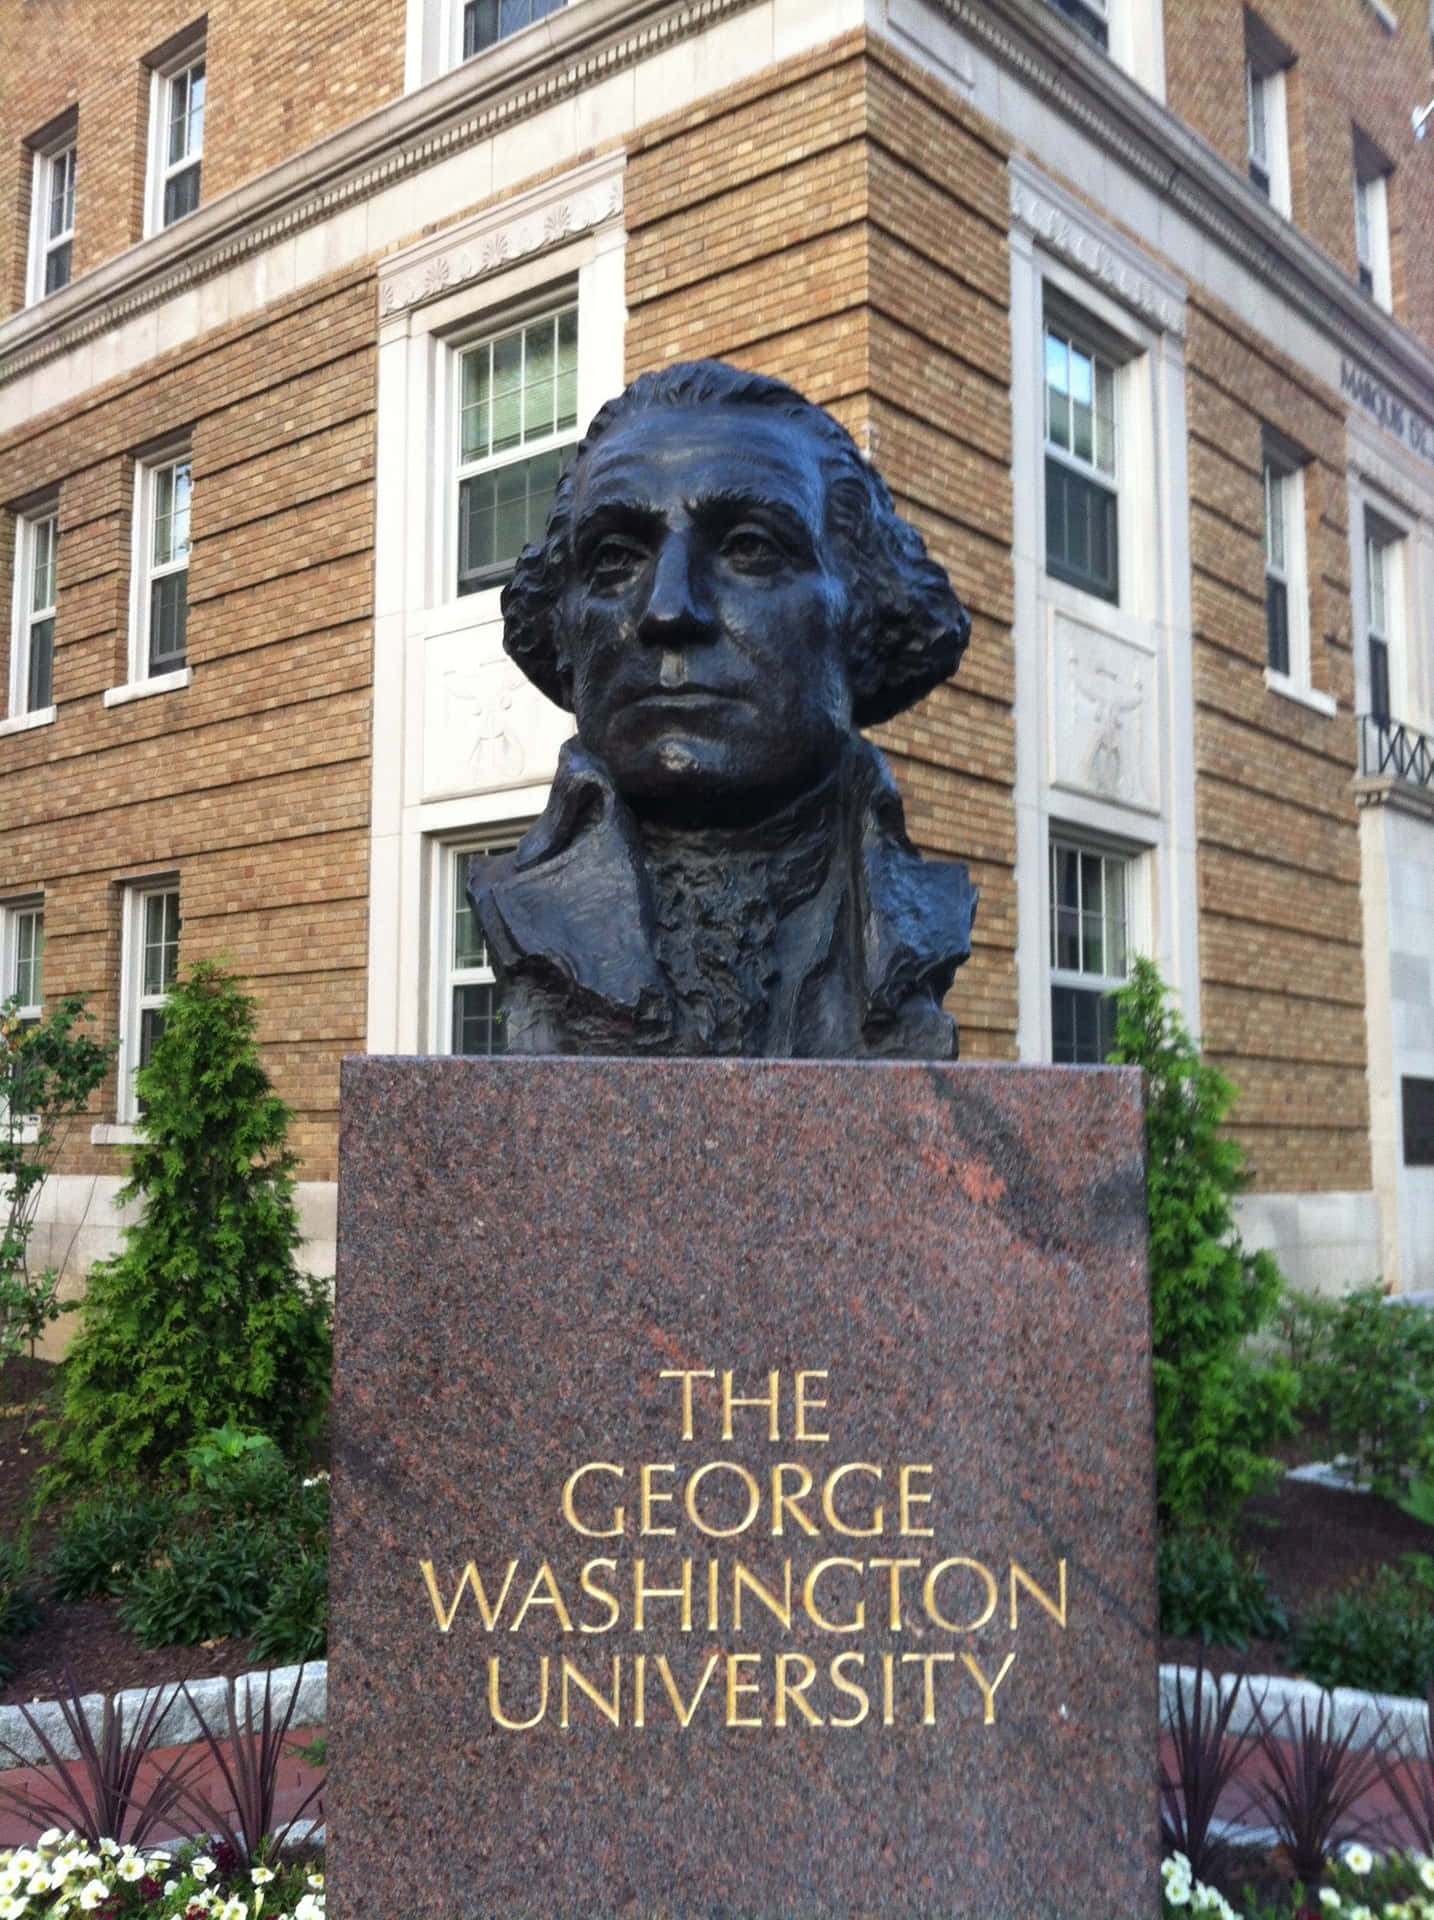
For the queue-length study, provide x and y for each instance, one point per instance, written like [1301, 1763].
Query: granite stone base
[743, 1493]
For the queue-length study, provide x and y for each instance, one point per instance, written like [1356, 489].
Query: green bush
[19, 1608]
[1217, 1410]
[103, 1543]
[294, 1624]
[1370, 1371]
[1378, 1635]
[202, 1319]
[1210, 1589]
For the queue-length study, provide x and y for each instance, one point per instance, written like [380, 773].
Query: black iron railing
[1390, 748]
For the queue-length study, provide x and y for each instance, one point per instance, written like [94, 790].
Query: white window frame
[39, 526]
[562, 439]
[1080, 979]
[1266, 114]
[449, 859]
[1283, 479]
[57, 158]
[1371, 225]
[144, 571]
[135, 1001]
[434, 38]
[167, 73]
[15, 916]
[1386, 563]
[1083, 337]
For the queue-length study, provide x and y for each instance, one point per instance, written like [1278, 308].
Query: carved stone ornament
[723, 596]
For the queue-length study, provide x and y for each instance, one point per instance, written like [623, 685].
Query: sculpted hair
[906, 630]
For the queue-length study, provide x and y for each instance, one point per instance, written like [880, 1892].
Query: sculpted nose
[677, 610]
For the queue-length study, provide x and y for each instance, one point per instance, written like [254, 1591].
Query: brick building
[1134, 307]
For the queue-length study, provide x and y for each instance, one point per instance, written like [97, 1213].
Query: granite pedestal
[743, 1497]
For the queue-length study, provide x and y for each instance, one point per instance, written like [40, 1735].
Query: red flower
[150, 1889]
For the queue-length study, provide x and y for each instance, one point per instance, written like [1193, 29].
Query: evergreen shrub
[202, 1319]
[1217, 1408]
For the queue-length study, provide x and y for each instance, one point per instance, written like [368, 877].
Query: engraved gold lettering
[594, 1592]
[554, 1599]
[809, 1588]
[911, 1498]
[897, 1567]
[888, 1676]
[843, 1685]
[639, 1690]
[687, 1377]
[470, 1578]
[731, 1401]
[651, 1496]
[806, 1403]
[714, 1568]
[611, 1710]
[928, 1695]
[569, 1485]
[753, 1495]
[784, 1503]
[516, 1726]
[736, 1686]
[684, 1714]
[988, 1692]
[641, 1594]
[928, 1595]
[795, 1690]
[1019, 1576]
[779, 1609]
[829, 1487]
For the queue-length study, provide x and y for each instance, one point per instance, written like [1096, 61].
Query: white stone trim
[22, 722]
[1102, 256]
[1290, 688]
[142, 689]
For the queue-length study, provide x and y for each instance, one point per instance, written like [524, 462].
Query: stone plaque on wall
[743, 1496]
[1103, 715]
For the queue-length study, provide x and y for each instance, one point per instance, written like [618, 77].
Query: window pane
[1082, 405]
[480, 26]
[1274, 519]
[468, 947]
[478, 1023]
[1277, 625]
[1379, 681]
[44, 540]
[39, 691]
[161, 943]
[474, 425]
[178, 118]
[61, 212]
[196, 109]
[567, 369]
[168, 621]
[507, 391]
[1255, 102]
[499, 513]
[1058, 430]
[181, 194]
[1375, 568]
[179, 526]
[151, 1026]
[29, 949]
[1104, 417]
[1081, 537]
[57, 267]
[540, 396]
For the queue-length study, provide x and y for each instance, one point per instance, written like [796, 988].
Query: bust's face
[703, 616]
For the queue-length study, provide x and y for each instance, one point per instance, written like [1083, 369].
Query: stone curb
[306, 1685]
[1346, 1708]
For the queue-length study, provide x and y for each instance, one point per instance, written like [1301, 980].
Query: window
[485, 22]
[1371, 220]
[162, 567]
[1266, 61]
[517, 419]
[1089, 950]
[32, 646]
[468, 1016]
[52, 219]
[22, 953]
[176, 152]
[1287, 611]
[1091, 16]
[1384, 594]
[1080, 465]
[150, 969]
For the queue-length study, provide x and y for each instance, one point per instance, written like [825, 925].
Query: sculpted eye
[752, 549]
[614, 560]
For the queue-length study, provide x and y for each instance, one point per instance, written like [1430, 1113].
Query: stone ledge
[1346, 1707]
[184, 1720]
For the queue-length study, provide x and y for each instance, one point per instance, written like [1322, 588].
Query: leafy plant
[1217, 1410]
[48, 1070]
[214, 1457]
[1208, 1587]
[100, 1795]
[294, 1624]
[248, 1763]
[19, 1609]
[167, 1882]
[204, 1586]
[1312, 1782]
[1207, 1761]
[202, 1319]
[1370, 1369]
[1378, 1634]
[103, 1543]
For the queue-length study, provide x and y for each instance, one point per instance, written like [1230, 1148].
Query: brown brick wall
[252, 783]
[840, 222]
[278, 79]
[1280, 934]
[1349, 71]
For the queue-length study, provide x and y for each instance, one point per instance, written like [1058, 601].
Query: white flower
[1358, 1859]
[1426, 1874]
[309, 1908]
[39, 1882]
[316, 1881]
[24, 1861]
[1360, 1913]
[201, 1866]
[91, 1895]
[130, 1868]
[261, 1874]
[10, 1878]
[12, 1905]
[109, 1848]
[1328, 1897]
[51, 1837]
[234, 1910]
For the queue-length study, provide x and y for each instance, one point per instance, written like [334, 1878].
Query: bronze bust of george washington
[723, 595]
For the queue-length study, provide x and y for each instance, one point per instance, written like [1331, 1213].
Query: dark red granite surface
[955, 1257]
